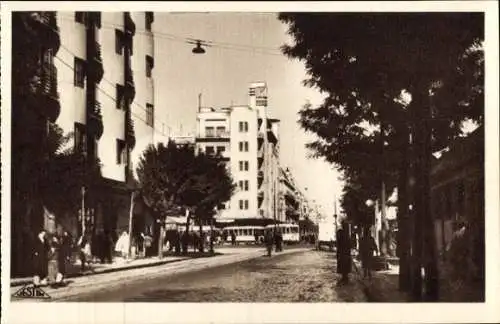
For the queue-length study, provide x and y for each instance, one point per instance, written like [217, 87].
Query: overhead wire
[190, 40]
[113, 98]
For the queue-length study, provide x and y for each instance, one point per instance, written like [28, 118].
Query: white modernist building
[249, 141]
[105, 80]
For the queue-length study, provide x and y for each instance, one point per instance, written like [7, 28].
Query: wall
[113, 118]
[71, 98]
[143, 44]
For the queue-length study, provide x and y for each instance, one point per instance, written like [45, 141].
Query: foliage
[173, 176]
[363, 63]
[66, 171]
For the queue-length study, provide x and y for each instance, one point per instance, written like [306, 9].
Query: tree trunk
[201, 238]
[403, 218]
[424, 239]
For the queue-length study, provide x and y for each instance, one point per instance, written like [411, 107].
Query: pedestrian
[269, 242]
[65, 251]
[233, 238]
[53, 258]
[83, 244]
[40, 259]
[344, 252]
[367, 247]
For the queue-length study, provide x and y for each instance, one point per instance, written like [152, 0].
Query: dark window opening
[79, 72]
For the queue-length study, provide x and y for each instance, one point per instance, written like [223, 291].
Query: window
[220, 149]
[80, 138]
[246, 185]
[79, 77]
[240, 145]
[209, 131]
[240, 184]
[149, 20]
[149, 65]
[121, 152]
[246, 165]
[246, 146]
[209, 150]
[80, 17]
[150, 115]
[220, 131]
[246, 204]
[241, 165]
[119, 38]
[243, 126]
[241, 204]
[120, 96]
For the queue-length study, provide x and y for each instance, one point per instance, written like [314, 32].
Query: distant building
[249, 141]
[184, 140]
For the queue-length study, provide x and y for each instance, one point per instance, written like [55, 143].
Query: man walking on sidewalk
[344, 258]
[367, 247]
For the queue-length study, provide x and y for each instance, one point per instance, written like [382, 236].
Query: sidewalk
[122, 264]
[384, 287]
[98, 268]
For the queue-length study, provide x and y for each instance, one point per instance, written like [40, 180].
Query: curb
[28, 281]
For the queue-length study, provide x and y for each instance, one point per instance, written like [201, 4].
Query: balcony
[260, 153]
[271, 136]
[130, 133]
[96, 63]
[129, 24]
[129, 84]
[95, 124]
[47, 91]
[45, 25]
[214, 137]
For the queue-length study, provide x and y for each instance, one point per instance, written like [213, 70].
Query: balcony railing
[129, 24]
[130, 136]
[96, 126]
[217, 134]
[48, 81]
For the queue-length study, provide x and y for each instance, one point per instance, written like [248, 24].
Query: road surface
[305, 276]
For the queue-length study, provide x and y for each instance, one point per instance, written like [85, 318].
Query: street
[305, 276]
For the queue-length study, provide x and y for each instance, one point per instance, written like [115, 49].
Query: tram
[244, 234]
[290, 232]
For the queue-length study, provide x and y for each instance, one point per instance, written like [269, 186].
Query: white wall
[113, 118]
[242, 114]
[71, 98]
[144, 86]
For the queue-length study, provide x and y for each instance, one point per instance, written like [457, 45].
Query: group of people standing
[273, 237]
[51, 256]
[367, 249]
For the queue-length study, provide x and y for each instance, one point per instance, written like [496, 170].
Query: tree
[363, 62]
[173, 177]
[70, 170]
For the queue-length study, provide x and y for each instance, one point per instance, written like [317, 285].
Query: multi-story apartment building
[289, 197]
[106, 83]
[35, 104]
[248, 140]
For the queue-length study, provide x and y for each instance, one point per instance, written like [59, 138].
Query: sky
[245, 49]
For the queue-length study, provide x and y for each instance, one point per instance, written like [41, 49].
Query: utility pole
[131, 215]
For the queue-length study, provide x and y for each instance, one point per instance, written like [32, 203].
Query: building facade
[249, 142]
[107, 91]
[35, 104]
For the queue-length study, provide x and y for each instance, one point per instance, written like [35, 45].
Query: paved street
[304, 276]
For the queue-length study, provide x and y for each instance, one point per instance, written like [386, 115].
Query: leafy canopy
[173, 176]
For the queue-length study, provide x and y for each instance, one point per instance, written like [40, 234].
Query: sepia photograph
[253, 156]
